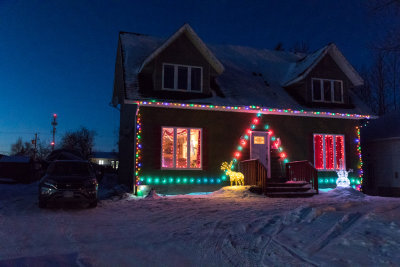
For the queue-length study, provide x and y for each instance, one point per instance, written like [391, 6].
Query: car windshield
[70, 169]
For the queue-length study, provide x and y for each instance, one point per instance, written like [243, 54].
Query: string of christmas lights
[245, 137]
[360, 163]
[237, 154]
[138, 163]
[253, 109]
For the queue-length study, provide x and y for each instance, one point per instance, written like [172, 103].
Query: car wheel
[42, 204]
[93, 204]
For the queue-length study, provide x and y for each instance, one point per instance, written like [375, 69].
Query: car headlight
[50, 184]
[46, 191]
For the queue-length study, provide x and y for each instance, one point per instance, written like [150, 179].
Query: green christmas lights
[149, 180]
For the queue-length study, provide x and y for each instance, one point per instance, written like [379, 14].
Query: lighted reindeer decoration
[236, 177]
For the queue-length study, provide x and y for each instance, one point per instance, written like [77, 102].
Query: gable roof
[251, 76]
[302, 68]
[197, 42]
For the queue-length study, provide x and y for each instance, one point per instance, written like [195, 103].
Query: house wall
[181, 51]
[127, 144]
[325, 69]
[382, 166]
[221, 134]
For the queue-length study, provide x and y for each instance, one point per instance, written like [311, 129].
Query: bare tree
[43, 150]
[20, 148]
[379, 81]
[384, 5]
[81, 140]
[393, 64]
[365, 91]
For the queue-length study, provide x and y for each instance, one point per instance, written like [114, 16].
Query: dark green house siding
[221, 134]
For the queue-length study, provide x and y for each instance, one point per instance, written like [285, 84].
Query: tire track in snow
[338, 229]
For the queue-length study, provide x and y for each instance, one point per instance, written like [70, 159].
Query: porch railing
[302, 171]
[254, 173]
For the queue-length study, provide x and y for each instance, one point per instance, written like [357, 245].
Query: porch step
[308, 193]
[288, 189]
[298, 184]
[298, 189]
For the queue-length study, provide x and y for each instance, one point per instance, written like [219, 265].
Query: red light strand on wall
[319, 151]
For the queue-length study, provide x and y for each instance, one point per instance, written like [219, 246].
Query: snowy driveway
[228, 227]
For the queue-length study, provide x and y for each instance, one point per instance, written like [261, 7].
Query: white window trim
[189, 78]
[323, 93]
[188, 148]
[334, 151]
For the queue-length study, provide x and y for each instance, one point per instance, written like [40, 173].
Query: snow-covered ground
[229, 227]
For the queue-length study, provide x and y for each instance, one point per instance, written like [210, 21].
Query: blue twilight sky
[58, 56]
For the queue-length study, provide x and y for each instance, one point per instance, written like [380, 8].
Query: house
[186, 107]
[381, 154]
[17, 168]
[105, 159]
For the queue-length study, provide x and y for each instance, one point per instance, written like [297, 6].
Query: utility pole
[34, 142]
[54, 123]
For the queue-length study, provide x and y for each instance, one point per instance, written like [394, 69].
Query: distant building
[105, 159]
[381, 155]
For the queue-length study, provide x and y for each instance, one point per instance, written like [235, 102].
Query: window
[325, 90]
[181, 148]
[182, 78]
[329, 152]
[101, 162]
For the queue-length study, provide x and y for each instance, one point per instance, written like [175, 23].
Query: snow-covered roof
[197, 42]
[302, 68]
[251, 76]
[15, 159]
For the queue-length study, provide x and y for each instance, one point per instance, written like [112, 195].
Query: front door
[259, 149]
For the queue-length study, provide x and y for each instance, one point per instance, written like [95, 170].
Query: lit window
[182, 78]
[326, 90]
[329, 152]
[181, 148]
[101, 162]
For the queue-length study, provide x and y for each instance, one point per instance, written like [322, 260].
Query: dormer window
[327, 90]
[182, 78]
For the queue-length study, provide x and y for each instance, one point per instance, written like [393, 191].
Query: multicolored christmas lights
[252, 109]
[360, 163]
[138, 164]
[245, 137]
[356, 182]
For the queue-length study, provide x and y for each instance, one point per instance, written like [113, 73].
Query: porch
[296, 179]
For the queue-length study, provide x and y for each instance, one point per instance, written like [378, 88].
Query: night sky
[59, 56]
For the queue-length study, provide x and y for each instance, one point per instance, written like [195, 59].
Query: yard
[228, 227]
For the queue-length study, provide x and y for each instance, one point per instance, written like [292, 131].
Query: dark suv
[68, 180]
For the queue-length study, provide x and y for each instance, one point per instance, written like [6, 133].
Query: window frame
[334, 151]
[188, 148]
[332, 81]
[189, 78]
